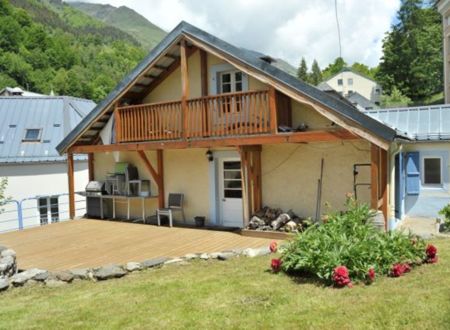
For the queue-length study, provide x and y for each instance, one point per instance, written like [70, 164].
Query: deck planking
[93, 243]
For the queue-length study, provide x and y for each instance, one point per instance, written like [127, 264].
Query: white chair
[175, 204]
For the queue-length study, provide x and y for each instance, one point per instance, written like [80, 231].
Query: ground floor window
[432, 171]
[48, 206]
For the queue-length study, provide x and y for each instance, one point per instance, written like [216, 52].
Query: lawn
[239, 293]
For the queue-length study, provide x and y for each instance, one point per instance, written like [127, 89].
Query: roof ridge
[45, 97]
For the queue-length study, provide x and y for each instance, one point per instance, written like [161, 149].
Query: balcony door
[230, 192]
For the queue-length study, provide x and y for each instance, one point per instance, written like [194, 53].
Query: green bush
[348, 239]
[445, 212]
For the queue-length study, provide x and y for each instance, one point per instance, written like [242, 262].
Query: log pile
[271, 219]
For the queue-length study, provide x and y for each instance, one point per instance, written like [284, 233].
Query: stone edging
[9, 277]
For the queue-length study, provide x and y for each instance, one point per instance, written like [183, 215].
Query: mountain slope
[126, 20]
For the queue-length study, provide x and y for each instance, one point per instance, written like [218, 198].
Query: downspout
[395, 149]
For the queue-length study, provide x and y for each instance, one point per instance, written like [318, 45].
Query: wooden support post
[374, 174]
[273, 110]
[118, 125]
[251, 167]
[91, 166]
[160, 164]
[204, 89]
[184, 87]
[384, 186]
[70, 174]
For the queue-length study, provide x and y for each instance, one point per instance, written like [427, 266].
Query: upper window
[340, 82]
[350, 81]
[230, 81]
[432, 171]
[32, 135]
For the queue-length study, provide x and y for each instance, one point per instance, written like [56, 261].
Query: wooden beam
[374, 176]
[160, 67]
[149, 166]
[160, 164]
[384, 186]
[91, 166]
[173, 57]
[273, 109]
[117, 123]
[204, 72]
[71, 184]
[184, 87]
[297, 137]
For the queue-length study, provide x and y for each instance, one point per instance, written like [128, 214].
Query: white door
[230, 192]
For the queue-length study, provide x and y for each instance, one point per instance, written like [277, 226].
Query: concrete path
[423, 227]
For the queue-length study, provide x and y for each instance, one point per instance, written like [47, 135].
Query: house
[362, 90]
[217, 123]
[30, 129]
[421, 164]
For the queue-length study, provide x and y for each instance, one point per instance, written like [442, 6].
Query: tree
[302, 71]
[315, 77]
[412, 52]
[364, 70]
[395, 99]
[333, 68]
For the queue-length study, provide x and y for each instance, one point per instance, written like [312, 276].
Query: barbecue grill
[94, 203]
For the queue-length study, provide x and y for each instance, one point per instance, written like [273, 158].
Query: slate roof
[426, 123]
[359, 100]
[55, 115]
[243, 56]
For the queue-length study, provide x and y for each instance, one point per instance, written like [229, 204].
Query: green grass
[240, 293]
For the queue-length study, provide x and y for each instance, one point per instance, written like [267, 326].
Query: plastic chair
[175, 204]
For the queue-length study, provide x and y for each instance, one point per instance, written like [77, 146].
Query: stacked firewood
[271, 219]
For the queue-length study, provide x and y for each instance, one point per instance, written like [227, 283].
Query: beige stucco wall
[290, 174]
[170, 88]
[185, 171]
[302, 113]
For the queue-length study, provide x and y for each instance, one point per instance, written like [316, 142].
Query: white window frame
[232, 82]
[38, 139]
[340, 80]
[432, 185]
[214, 77]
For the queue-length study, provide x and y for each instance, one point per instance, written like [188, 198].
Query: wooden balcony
[223, 115]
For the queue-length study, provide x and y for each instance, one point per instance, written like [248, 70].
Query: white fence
[38, 211]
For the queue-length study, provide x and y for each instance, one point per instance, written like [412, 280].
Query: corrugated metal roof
[426, 123]
[56, 116]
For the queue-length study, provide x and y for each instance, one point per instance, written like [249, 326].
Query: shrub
[445, 212]
[348, 239]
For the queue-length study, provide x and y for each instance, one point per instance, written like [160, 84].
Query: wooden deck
[93, 243]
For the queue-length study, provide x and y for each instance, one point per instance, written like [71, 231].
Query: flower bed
[347, 248]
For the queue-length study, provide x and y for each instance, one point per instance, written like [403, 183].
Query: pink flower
[273, 246]
[276, 265]
[398, 270]
[431, 251]
[341, 277]
[432, 260]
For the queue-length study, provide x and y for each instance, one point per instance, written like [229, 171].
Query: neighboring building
[422, 176]
[349, 82]
[444, 8]
[30, 128]
[17, 91]
[217, 123]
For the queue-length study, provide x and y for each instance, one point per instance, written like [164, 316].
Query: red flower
[276, 265]
[398, 270]
[341, 277]
[431, 251]
[371, 274]
[273, 246]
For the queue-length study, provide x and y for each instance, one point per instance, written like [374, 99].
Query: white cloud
[288, 29]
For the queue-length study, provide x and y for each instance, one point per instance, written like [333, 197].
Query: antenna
[338, 28]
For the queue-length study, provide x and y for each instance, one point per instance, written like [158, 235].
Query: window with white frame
[340, 82]
[32, 135]
[230, 81]
[432, 171]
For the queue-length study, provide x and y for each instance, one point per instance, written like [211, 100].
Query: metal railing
[38, 211]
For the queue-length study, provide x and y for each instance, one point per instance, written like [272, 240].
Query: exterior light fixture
[209, 155]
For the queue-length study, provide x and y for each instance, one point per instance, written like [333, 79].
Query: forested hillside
[48, 45]
[125, 19]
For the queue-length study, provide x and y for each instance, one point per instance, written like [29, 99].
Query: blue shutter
[412, 173]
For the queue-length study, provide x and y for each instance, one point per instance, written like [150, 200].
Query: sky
[287, 29]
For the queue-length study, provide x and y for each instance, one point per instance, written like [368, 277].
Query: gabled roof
[358, 99]
[348, 69]
[248, 59]
[426, 123]
[56, 116]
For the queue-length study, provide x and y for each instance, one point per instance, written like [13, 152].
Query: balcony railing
[221, 115]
